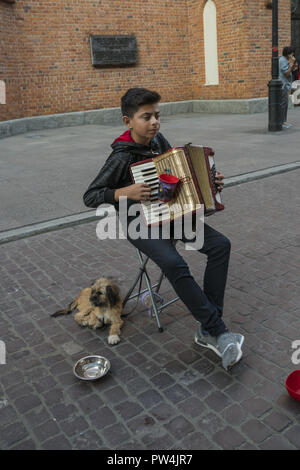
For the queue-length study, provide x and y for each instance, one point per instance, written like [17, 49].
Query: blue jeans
[206, 305]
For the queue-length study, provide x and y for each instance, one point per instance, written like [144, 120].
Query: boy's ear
[126, 121]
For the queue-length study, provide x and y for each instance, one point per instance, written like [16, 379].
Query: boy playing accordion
[142, 140]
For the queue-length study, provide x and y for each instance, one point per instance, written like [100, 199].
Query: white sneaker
[287, 125]
[202, 334]
[226, 346]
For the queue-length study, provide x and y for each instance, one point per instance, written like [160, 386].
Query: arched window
[2, 353]
[2, 92]
[210, 43]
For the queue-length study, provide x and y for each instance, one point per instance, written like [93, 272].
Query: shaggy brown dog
[98, 305]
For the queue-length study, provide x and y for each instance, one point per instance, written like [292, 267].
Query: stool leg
[159, 282]
[143, 264]
[131, 289]
[160, 328]
[148, 282]
[162, 273]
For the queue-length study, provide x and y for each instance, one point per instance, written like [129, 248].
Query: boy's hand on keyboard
[219, 180]
[137, 192]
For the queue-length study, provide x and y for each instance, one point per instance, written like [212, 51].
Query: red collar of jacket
[125, 136]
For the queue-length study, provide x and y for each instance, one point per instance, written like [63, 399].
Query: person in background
[286, 65]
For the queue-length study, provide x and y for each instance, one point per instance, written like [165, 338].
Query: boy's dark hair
[134, 98]
[288, 50]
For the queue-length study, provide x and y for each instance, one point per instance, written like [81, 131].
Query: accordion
[194, 165]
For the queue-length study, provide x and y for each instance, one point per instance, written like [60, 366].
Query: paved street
[163, 391]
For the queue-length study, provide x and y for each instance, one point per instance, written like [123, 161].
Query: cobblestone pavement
[163, 391]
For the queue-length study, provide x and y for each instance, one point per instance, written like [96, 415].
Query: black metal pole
[275, 85]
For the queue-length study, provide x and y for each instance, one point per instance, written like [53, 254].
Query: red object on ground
[292, 384]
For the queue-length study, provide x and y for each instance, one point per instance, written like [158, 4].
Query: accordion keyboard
[154, 210]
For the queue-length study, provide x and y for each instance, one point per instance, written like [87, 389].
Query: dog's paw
[113, 339]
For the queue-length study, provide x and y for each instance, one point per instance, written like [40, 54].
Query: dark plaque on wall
[113, 50]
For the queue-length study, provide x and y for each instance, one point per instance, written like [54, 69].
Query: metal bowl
[91, 367]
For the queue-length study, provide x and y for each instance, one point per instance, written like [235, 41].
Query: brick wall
[9, 63]
[260, 44]
[46, 63]
[244, 47]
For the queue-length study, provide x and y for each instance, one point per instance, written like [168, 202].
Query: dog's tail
[67, 310]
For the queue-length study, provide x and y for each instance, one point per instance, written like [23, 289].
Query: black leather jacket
[115, 172]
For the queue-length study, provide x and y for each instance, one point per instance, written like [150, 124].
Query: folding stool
[143, 259]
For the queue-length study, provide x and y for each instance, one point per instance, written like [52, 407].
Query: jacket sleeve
[102, 188]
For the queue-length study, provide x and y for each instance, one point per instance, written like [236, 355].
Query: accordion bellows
[195, 167]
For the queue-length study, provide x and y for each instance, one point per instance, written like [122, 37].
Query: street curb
[112, 116]
[51, 225]
[259, 174]
[91, 215]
